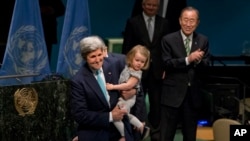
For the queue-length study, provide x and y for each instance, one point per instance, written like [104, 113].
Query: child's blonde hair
[143, 51]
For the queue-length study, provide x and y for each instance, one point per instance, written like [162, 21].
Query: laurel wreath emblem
[25, 100]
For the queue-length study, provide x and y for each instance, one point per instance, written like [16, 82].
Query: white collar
[146, 17]
[184, 36]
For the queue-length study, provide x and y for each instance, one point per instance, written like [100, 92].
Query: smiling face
[189, 21]
[95, 59]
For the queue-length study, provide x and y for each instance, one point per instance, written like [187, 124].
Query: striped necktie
[187, 45]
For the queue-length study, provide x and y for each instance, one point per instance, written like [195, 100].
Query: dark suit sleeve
[172, 57]
[139, 109]
[122, 62]
[206, 59]
[87, 115]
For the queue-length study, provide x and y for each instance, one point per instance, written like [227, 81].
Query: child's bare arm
[131, 83]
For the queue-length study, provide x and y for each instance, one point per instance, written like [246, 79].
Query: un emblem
[72, 49]
[27, 50]
[25, 100]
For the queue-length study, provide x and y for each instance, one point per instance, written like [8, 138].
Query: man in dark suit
[93, 109]
[184, 52]
[136, 32]
[169, 9]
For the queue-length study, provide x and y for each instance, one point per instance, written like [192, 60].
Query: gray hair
[90, 44]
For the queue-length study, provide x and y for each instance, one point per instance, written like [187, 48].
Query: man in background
[147, 29]
[169, 9]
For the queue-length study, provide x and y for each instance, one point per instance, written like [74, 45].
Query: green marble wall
[51, 119]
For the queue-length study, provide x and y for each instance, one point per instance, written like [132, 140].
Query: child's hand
[109, 86]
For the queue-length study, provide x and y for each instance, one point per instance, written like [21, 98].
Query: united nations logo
[72, 49]
[27, 50]
[25, 100]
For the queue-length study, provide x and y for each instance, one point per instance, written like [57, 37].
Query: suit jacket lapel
[93, 84]
[143, 27]
[180, 44]
[107, 73]
[108, 77]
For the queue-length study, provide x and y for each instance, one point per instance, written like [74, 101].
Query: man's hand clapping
[196, 56]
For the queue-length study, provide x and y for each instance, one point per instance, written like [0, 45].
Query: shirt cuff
[110, 117]
[186, 60]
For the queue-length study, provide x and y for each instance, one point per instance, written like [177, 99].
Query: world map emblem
[27, 50]
[72, 53]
